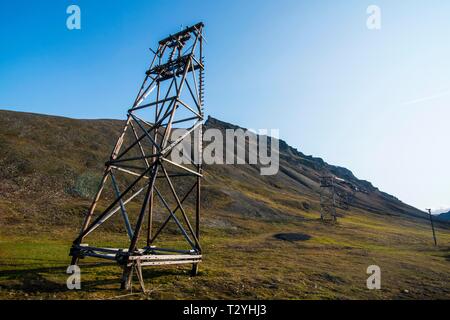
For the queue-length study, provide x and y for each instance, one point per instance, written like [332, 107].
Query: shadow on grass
[94, 277]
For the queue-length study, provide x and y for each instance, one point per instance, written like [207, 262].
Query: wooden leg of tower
[127, 276]
[74, 261]
[150, 220]
[194, 270]
[138, 269]
[87, 219]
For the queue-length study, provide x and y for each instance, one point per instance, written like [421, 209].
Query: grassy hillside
[49, 169]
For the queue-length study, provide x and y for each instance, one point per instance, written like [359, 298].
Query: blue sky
[376, 102]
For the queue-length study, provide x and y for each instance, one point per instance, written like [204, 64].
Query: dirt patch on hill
[292, 236]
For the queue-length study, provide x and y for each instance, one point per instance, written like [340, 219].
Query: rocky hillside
[55, 163]
[300, 173]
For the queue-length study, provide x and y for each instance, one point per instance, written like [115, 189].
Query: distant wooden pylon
[432, 226]
[327, 199]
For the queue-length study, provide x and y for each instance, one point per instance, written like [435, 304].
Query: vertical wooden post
[194, 270]
[127, 271]
[150, 219]
[432, 226]
[155, 138]
[197, 209]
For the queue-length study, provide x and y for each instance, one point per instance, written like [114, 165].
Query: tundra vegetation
[262, 236]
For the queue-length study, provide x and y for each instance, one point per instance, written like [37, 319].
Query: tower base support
[133, 263]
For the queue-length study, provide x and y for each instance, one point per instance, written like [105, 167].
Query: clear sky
[374, 101]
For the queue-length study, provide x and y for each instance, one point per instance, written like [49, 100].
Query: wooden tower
[328, 198]
[141, 182]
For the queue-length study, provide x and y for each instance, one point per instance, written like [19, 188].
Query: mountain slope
[444, 216]
[301, 174]
[59, 158]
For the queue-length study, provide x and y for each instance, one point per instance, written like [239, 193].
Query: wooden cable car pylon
[328, 199]
[171, 96]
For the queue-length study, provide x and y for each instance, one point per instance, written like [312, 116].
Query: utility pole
[432, 226]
